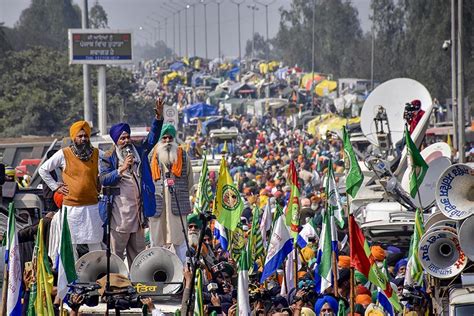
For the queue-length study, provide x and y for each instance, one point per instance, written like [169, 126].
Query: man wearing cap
[126, 166]
[80, 174]
[171, 168]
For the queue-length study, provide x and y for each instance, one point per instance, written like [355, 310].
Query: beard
[167, 153]
[193, 238]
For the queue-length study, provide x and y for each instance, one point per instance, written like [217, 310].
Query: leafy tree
[98, 17]
[337, 35]
[45, 23]
[4, 43]
[159, 50]
[42, 94]
[260, 47]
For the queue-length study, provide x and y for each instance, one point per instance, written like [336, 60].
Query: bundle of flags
[204, 190]
[13, 264]
[418, 165]
[292, 210]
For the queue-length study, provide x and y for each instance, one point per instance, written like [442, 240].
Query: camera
[88, 291]
[212, 287]
[446, 44]
[114, 191]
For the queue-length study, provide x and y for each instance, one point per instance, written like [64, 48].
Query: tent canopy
[200, 110]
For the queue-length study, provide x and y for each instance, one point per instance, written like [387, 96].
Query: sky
[142, 16]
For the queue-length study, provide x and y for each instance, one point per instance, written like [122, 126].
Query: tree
[4, 42]
[98, 17]
[45, 23]
[42, 94]
[159, 50]
[337, 35]
[260, 47]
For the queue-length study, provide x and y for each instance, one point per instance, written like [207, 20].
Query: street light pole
[267, 53]
[238, 3]
[461, 118]
[194, 30]
[204, 3]
[86, 74]
[186, 28]
[219, 29]
[454, 105]
[253, 8]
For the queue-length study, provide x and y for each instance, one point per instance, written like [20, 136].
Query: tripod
[110, 192]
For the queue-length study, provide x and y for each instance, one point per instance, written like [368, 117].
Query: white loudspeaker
[93, 266]
[158, 265]
[455, 192]
[441, 255]
[466, 237]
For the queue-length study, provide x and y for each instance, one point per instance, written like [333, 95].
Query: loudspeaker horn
[158, 265]
[441, 255]
[466, 237]
[93, 265]
[446, 225]
[433, 219]
[455, 192]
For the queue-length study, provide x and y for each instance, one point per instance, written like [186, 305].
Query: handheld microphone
[129, 152]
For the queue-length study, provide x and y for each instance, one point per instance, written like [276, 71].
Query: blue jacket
[109, 175]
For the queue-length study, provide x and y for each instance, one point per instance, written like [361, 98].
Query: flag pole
[295, 261]
[352, 272]
[334, 272]
[5, 289]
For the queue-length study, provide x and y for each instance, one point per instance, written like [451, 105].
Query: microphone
[129, 152]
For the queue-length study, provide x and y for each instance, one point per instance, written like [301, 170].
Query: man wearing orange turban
[80, 187]
[378, 253]
[344, 262]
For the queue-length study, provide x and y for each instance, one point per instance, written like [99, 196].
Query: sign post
[100, 47]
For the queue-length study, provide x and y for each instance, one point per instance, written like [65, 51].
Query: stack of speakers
[448, 241]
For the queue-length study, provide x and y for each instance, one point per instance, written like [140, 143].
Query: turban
[168, 129]
[360, 289]
[117, 130]
[58, 199]
[305, 311]
[360, 277]
[193, 218]
[393, 249]
[344, 262]
[307, 254]
[77, 127]
[378, 253]
[363, 299]
[323, 300]
[400, 263]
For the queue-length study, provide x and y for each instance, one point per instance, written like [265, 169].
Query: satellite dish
[392, 95]
[428, 187]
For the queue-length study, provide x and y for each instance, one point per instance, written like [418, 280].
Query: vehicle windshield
[464, 310]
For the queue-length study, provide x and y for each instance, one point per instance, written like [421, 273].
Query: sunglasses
[167, 137]
[192, 226]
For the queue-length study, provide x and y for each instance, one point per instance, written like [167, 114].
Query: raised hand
[159, 108]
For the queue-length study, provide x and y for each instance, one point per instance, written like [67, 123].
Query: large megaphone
[158, 265]
[455, 192]
[466, 237]
[440, 253]
[93, 265]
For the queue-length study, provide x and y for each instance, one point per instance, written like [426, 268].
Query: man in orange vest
[80, 171]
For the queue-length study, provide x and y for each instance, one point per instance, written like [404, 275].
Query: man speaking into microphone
[173, 175]
[126, 166]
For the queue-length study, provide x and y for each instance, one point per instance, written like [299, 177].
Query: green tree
[98, 17]
[260, 47]
[337, 35]
[45, 23]
[4, 42]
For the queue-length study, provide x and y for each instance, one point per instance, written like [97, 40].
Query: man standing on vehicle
[171, 168]
[80, 172]
[126, 166]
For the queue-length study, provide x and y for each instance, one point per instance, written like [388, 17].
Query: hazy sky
[133, 14]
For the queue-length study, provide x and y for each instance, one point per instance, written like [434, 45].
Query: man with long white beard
[171, 168]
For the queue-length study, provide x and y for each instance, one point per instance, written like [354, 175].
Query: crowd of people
[152, 195]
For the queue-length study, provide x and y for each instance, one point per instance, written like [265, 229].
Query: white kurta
[84, 222]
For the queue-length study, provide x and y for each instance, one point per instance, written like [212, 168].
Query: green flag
[418, 165]
[243, 301]
[198, 301]
[204, 190]
[414, 269]
[293, 207]
[229, 205]
[256, 240]
[354, 177]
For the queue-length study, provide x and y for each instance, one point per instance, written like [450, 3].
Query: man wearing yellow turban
[80, 170]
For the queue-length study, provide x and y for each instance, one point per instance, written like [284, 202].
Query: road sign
[171, 115]
[100, 46]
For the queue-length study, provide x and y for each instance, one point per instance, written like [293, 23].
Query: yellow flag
[44, 278]
[224, 148]
[229, 203]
